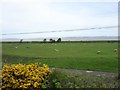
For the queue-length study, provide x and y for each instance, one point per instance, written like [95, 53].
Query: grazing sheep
[115, 50]
[15, 47]
[98, 52]
[56, 50]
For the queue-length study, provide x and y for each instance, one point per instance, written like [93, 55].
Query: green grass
[69, 55]
[62, 79]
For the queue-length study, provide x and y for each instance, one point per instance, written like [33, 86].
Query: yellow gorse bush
[24, 76]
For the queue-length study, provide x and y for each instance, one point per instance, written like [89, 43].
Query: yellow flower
[23, 76]
[36, 84]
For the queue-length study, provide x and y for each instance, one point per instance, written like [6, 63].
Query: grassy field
[64, 55]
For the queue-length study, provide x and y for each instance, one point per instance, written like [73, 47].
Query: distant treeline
[60, 41]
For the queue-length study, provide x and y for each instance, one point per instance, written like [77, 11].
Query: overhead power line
[92, 28]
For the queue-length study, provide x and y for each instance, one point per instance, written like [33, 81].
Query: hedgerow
[24, 76]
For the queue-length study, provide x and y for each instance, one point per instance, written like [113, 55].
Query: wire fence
[91, 28]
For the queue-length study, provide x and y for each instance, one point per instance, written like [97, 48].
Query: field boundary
[97, 73]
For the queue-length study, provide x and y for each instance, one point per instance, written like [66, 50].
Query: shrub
[24, 76]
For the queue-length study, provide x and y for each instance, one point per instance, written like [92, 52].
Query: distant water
[99, 38]
[89, 38]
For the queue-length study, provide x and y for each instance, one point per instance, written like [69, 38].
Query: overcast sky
[36, 16]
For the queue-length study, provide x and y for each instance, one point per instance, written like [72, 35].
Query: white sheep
[56, 50]
[115, 50]
[98, 52]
